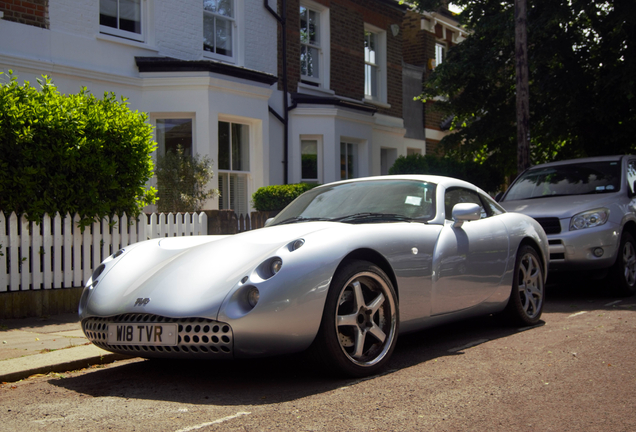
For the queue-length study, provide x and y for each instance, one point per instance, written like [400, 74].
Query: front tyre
[359, 324]
[624, 270]
[526, 298]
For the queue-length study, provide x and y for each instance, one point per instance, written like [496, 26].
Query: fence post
[4, 274]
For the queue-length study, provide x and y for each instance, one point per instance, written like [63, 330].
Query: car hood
[560, 207]
[187, 276]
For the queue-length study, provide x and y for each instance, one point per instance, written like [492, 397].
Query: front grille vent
[197, 337]
[550, 225]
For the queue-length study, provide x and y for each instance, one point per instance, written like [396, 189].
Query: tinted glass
[412, 199]
[571, 179]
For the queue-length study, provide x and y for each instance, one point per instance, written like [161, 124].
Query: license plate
[142, 334]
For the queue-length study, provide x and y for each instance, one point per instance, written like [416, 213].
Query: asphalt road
[574, 372]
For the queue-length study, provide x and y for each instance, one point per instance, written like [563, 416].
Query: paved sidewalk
[32, 346]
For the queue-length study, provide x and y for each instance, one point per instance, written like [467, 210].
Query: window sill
[377, 103]
[312, 90]
[124, 41]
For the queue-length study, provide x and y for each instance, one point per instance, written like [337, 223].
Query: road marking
[613, 303]
[468, 345]
[221, 420]
[577, 314]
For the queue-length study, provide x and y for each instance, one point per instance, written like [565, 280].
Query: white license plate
[142, 334]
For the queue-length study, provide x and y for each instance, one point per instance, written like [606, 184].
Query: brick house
[212, 76]
[427, 37]
[344, 87]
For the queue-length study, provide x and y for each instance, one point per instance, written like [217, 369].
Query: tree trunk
[523, 90]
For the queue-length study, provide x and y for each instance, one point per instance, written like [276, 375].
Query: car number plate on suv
[142, 334]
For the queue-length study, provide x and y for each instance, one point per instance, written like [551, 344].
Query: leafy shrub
[181, 181]
[276, 197]
[71, 153]
[479, 174]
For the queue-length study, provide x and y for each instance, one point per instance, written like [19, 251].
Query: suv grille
[197, 337]
[550, 225]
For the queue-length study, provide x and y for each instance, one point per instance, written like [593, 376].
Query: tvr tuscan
[340, 272]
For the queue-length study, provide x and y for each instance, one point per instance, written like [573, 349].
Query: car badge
[142, 302]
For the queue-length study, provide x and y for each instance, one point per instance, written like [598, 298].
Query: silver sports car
[339, 272]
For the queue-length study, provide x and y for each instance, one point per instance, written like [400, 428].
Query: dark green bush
[71, 153]
[276, 197]
[480, 175]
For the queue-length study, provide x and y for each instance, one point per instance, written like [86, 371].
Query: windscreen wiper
[372, 217]
[298, 219]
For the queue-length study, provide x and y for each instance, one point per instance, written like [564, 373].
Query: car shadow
[282, 379]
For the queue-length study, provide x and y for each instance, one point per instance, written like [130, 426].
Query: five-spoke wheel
[359, 327]
[527, 296]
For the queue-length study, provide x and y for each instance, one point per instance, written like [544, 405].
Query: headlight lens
[275, 266]
[589, 219]
[253, 296]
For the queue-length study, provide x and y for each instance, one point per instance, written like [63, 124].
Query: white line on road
[221, 420]
[577, 314]
[613, 303]
[468, 345]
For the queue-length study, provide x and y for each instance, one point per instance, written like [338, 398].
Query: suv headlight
[589, 219]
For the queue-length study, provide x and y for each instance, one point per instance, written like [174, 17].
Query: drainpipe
[282, 19]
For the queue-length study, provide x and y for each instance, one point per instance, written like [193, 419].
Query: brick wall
[346, 26]
[33, 12]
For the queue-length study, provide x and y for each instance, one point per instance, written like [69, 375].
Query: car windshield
[362, 202]
[570, 179]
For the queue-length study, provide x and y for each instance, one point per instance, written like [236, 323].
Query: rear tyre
[359, 324]
[623, 272]
[528, 292]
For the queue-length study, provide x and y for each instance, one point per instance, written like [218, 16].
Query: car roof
[581, 160]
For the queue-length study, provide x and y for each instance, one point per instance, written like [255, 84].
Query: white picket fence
[56, 254]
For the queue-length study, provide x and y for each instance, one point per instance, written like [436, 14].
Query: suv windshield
[365, 201]
[570, 179]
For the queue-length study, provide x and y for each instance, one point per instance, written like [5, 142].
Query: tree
[71, 153]
[582, 74]
[182, 181]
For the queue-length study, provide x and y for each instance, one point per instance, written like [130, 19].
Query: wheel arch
[374, 257]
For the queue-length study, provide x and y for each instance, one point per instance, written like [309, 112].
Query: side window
[458, 195]
[631, 175]
[491, 205]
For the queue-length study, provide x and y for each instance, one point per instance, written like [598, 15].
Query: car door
[469, 261]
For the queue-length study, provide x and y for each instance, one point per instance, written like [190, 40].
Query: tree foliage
[479, 174]
[582, 69]
[71, 153]
[182, 181]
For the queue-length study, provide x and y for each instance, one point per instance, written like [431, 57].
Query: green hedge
[276, 197]
[71, 153]
[480, 175]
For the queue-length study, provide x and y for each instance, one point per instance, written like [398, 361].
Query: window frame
[380, 64]
[228, 173]
[125, 34]
[319, 166]
[234, 26]
[323, 45]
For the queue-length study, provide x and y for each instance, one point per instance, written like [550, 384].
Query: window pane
[369, 47]
[370, 81]
[226, 8]
[108, 13]
[309, 62]
[304, 29]
[223, 36]
[348, 161]
[172, 133]
[240, 147]
[233, 192]
[208, 32]
[440, 54]
[130, 15]
[314, 36]
[224, 145]
[309, 159]
[210, 5]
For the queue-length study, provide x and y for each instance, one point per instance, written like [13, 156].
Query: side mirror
[498, 196]
[464, 212]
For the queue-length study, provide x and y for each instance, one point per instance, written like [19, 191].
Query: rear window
[570, 179]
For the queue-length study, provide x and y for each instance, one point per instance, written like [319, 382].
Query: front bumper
[575, 250]
[198, 338]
